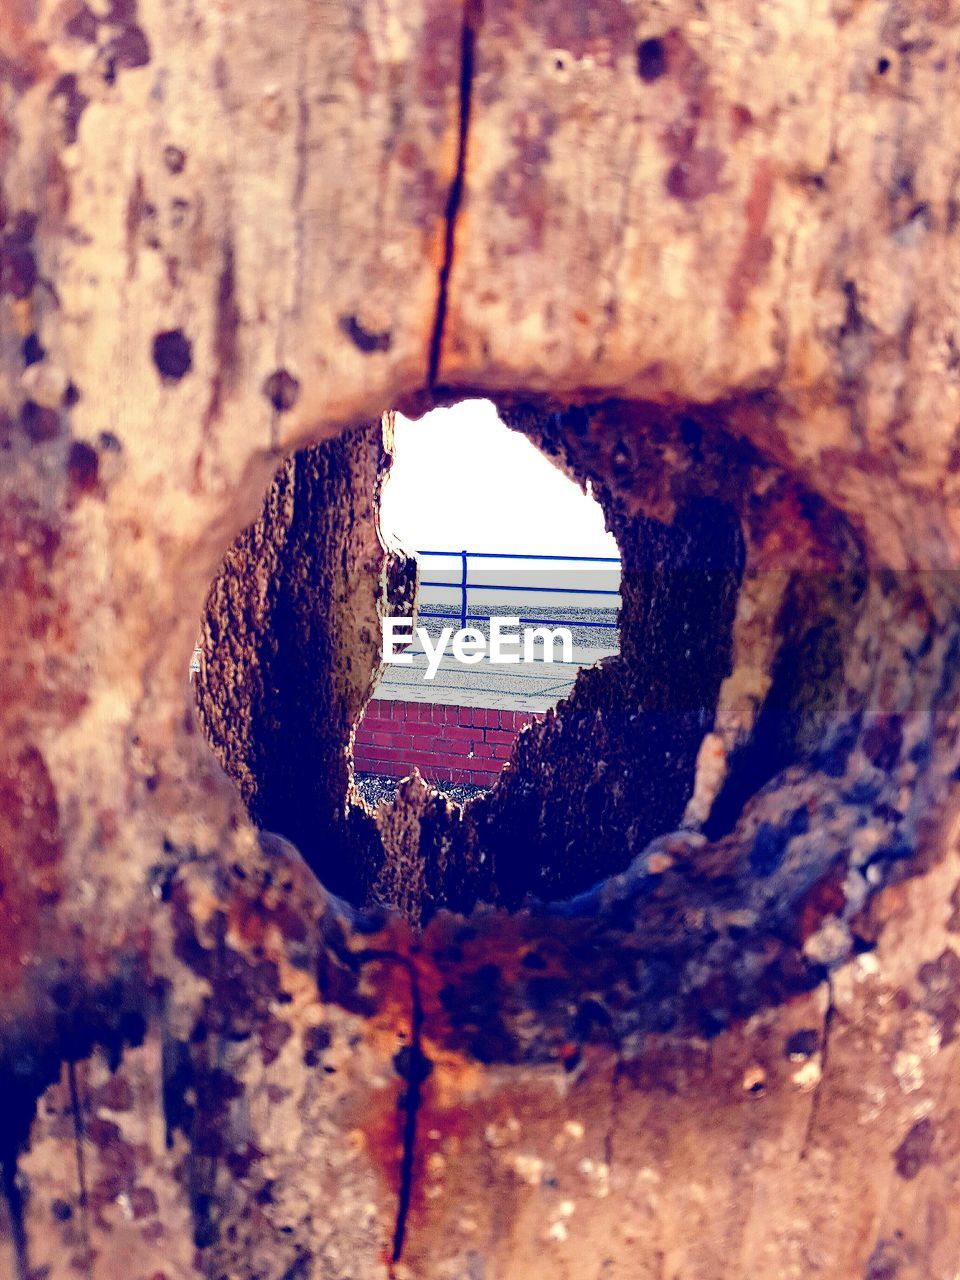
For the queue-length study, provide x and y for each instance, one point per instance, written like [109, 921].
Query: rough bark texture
[730, 238]
[290, 650]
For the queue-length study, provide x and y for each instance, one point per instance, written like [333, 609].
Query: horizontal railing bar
[554, 662]
[503, 586]
[549, 622]
[513, 555]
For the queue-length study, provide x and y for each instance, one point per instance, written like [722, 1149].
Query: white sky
[461, 479]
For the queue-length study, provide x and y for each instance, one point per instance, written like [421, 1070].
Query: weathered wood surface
[232, 229]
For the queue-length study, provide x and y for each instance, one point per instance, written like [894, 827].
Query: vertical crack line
[828, 1018]
[472, 18]
[78, 1139]
[410, 1099]
[411, 1103]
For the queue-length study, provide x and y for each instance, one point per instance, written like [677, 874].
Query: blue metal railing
[464, 585]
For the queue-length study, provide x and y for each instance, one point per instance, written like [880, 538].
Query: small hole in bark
[33, 352]
[282, 389]
[363, 336]
[172, 354]
[802, 1044]
[175, 159]
[61, 1210]
[83, 467]
[651, 59]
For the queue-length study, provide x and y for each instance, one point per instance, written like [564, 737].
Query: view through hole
[506, 546]
[291, 650]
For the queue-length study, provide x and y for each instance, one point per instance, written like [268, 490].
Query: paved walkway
[515, 686]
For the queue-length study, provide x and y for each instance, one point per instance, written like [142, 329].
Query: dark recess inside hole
[616, 767]
[798, 720]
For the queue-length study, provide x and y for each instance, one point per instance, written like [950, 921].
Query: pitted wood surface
[231, 230]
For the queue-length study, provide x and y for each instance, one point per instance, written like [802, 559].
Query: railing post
[463, 591]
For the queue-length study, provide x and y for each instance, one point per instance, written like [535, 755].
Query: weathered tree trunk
[708, 262]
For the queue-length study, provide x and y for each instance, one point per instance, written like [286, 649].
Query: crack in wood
[417, 1069]
[472, 20]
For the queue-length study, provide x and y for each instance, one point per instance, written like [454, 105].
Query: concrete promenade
[518, 686]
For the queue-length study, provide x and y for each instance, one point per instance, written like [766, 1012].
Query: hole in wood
[735, 784]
